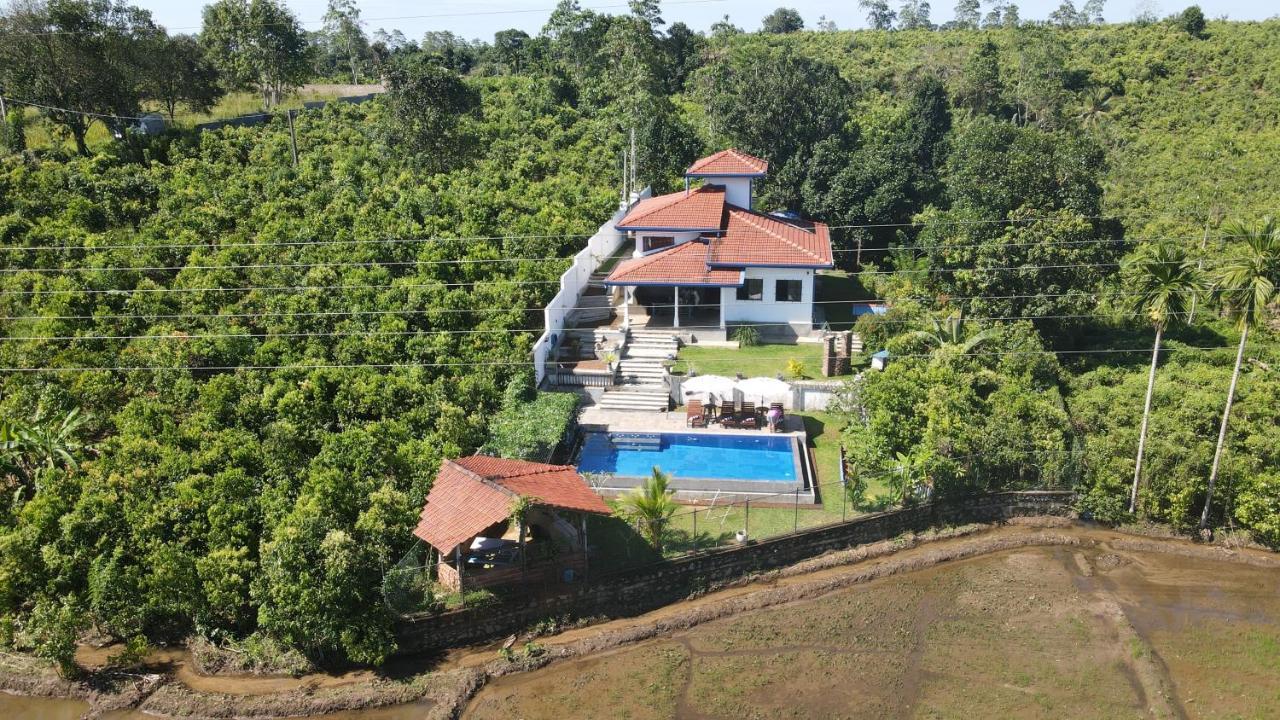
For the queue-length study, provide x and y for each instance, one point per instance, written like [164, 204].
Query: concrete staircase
[595, 305]
[641, 373]
[588, 340]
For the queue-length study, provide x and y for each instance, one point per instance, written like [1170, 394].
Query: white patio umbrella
[766, 389]
[702, 387]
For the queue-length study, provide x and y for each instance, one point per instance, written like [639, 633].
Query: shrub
[796, 369]
[747, 336]
[532, 430]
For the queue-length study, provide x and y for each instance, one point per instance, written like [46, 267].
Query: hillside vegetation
[227, 381]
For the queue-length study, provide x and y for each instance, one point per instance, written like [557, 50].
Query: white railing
[573, 282]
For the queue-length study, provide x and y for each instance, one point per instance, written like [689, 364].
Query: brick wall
[648, 587]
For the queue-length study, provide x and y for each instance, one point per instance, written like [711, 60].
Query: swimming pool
[755, 458]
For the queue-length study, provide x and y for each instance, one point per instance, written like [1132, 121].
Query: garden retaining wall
[641, 589]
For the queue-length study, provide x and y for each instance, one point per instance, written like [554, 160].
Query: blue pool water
[684, 455]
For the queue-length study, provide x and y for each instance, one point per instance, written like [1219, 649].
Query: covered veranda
[674, 288]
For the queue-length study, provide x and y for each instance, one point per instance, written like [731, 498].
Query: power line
[69, 110]
[470, 261]
[326, 313]
[928, 271]
[525, 363]
[276, 288]
[183, 335]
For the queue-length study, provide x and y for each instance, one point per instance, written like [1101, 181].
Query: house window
[752, 289]
[656, 242]
[788, 291]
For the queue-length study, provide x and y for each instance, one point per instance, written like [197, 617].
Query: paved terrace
[593, 417]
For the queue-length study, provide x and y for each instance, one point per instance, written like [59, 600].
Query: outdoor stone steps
[657, 354]
[653, 398]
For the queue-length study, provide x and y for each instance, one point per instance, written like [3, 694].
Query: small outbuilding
[496, 521]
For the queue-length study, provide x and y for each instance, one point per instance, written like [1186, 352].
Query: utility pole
[4, 122]
[293, 139]
[633, 161]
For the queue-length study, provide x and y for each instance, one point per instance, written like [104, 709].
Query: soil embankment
[879, 630]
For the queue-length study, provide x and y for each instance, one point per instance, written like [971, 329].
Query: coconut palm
[1247, 284]
[1162, 280]
[650, 506]
[1094, 107]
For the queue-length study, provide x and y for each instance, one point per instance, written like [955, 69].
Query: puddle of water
[14, 707]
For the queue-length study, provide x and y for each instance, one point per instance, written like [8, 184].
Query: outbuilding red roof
[753, 238]
[472, 493]
[728, 163]
[697, 209]
[684, 264]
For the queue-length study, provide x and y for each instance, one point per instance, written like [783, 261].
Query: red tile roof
[752, 238]
[698, 209]
[684, 264]
[472, 493]
[729, 162]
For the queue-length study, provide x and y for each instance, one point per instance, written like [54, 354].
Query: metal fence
[704, 526]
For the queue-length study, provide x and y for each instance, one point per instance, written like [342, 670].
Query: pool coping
[696, 488]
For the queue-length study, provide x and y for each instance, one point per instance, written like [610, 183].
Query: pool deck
[596, 418]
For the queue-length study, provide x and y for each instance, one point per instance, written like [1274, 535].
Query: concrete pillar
[721, 299]
[626, 307]
[675, 294]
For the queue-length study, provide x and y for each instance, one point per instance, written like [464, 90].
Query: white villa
[704, 258]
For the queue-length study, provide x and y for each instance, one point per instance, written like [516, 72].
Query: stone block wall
[645, 588]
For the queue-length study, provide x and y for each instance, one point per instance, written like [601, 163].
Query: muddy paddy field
[1035, 619]
[1060, 631]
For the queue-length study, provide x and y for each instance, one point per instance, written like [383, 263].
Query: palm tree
[947, 336]
[1094, 107]
[1162, 280]
[650, 506]
[1247, 284]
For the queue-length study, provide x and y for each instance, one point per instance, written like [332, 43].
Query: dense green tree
[775, 104]
[256, 44]
[914, 15]
[879, 15]
[82, 59]
[781, 21]
[982, 85]
[1191, 20]
[426, 103]
[178, 73]
[968, 14]
[342, 23]
[1066, 15]
[509, 47]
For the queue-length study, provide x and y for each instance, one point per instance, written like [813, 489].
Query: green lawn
[716, 526]
[767, 360]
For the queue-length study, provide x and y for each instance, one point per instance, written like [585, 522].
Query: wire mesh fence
[617, 546]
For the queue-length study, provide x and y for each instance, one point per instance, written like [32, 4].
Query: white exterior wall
[681, 238]
[769, 310]
[737, 191]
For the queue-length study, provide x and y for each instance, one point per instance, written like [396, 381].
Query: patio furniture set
[729, 414]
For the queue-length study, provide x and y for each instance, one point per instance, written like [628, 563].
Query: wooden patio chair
[747, 418]
[694, 415]
[728, 415]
